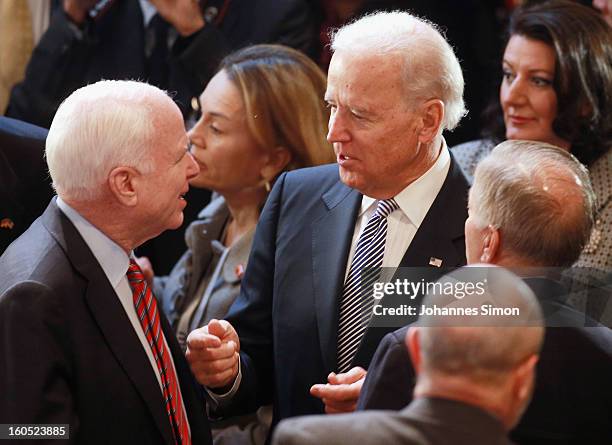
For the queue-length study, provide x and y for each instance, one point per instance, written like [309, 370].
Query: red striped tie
[148, 314]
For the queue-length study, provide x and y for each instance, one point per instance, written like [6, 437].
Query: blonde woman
[262, 113]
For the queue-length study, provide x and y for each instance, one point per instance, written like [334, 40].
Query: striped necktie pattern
[357, 301]
[148, 314]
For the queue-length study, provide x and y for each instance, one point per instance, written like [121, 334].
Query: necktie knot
[134, 274]
[386, 207]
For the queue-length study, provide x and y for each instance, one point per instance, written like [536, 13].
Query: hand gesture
[341, 392]
[212, 353]
[184, 15]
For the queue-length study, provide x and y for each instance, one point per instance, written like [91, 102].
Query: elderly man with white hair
[298, 334]
[83, 345]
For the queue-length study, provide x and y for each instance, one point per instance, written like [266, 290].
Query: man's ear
[414, 350]
[524, 378]
[123, 183]
[491, 244]
[432, 114]
[277, 160]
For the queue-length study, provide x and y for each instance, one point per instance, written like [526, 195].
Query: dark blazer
[117, 46]
[572, 399]
[287, 313]
[25, 187]
[426, 421]
[68, 352]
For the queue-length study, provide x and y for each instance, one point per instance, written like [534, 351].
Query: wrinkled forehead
[367, 77]
[169, 131]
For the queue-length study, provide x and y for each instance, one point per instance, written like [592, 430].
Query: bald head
[540, 199]
[486, 359]
[485, 346]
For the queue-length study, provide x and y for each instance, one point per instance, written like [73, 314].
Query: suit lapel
[331, 242]
[200, 235]
[440, 236]
[111, 318]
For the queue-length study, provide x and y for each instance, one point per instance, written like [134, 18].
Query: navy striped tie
[357, 301]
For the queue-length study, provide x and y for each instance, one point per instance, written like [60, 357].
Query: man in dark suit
[396, 197]
[474, 379]
[530, 206]
[82, 341]
[25, 188]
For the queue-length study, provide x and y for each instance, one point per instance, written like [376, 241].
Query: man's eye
[357, 115]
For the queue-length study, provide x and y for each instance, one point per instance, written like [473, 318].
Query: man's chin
[354, 181]
[174, 223]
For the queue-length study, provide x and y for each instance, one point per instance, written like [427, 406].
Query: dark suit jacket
[572, 400]
[426, 421]
[68, 352]
[25, 187]
[288, 309]
[114, 46]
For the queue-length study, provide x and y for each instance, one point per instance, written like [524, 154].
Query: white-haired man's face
[372, 128]
[161, 194]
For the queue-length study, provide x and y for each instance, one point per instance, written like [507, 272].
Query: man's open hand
[341, 392]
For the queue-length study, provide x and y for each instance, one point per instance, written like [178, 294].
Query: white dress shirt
[414, 203]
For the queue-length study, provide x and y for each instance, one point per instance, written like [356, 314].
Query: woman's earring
[267, 186]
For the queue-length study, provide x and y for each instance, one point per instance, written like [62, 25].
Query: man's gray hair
[539, 196]
[97, 128]
[481, 346]
[430, 68]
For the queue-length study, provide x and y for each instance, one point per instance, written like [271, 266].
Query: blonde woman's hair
[283, 91]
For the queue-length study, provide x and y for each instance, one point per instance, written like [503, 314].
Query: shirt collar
[148, 11]
[112, 258]
[416, 199]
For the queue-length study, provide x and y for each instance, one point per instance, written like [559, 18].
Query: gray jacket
[177, 290]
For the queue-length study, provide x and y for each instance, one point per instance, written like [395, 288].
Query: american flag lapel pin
[436, 262]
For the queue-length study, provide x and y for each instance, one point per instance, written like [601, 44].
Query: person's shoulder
[19, 128]
[37, 257]
[312, 178]
[469, 154]
[363, 427]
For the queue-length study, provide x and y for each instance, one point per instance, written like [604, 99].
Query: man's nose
[192, 168]
[338, 131]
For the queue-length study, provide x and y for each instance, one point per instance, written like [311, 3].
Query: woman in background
[557, 88]
[262, 114]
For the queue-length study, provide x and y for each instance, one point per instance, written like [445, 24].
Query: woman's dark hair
[582, 42]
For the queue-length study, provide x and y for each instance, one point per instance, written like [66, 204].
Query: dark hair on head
[582, 43]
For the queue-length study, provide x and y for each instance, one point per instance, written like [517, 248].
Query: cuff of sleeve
[220, 400]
